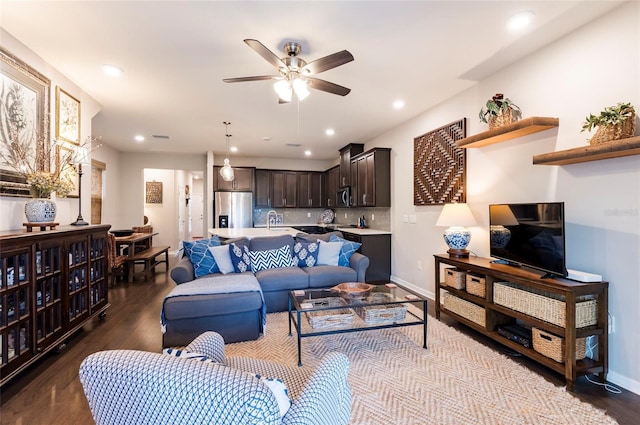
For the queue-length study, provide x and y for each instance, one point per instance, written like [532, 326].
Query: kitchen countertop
[252, 232]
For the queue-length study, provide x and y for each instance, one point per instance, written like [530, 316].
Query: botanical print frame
[439, 166]
[153, 192]
[67, 117]
[24, 118]
[69, 172]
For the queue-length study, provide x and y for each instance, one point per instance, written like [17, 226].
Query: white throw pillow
[223, 258]
[329, 253]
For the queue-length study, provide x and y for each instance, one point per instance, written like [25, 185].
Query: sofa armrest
[210, 344]
[326, 398]
[183, 271]
[359, 263]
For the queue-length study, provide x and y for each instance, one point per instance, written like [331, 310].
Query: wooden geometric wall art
[439, 167]
[154, 192]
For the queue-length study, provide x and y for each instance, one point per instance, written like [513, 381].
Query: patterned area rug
[456, 380]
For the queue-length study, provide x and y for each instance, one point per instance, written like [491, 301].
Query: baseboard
[613, 377]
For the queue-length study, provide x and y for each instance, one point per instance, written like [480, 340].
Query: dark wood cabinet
[331, 186]
[310, 189]
[263, 188]
[371, 178]
[243, 180]
[51, 284]
[284, 189]
[378, 249]
[486, 310]
[346, 154]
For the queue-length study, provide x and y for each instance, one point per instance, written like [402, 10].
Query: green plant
[610, 116]
[499, 105]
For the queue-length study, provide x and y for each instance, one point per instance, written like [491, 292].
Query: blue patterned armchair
[137, 387]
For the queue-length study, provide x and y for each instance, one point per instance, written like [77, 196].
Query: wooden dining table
[132, 244]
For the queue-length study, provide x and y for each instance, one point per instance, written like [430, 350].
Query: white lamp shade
[301, 89]
[284, 90]
[226, 171]
[81, 156]
[458, 215]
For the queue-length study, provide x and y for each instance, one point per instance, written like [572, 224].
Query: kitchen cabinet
[263, 188]
[51, 284]
[346, 153]
[371, 178]
[332, 178]
[378, 248]
[309, 189]
[284, 189]
[243, 180]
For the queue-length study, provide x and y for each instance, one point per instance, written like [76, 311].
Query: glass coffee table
[317, 312]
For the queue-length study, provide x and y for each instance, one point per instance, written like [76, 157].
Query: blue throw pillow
[305, 254]
[240, 258]
[348, 248]
[200, 256]
[271, 259]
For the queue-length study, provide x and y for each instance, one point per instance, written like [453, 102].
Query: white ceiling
[175, 55]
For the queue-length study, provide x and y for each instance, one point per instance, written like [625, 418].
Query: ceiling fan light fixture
[284, 90]
[301, 88]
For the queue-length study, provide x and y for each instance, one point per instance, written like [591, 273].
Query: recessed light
[266, 138]
[293, 145]
[233, 149]
[112, 70]
[139, 138]
[330, 132]
[398, 104]
[520, 20]
[307, 153]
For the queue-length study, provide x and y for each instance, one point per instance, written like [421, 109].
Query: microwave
[343, 197]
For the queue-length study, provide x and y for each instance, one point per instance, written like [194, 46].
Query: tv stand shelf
[496, 315]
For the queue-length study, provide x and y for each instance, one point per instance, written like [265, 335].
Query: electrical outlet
[612, 324]
[412, 219]
[373, 217]
[345, 215]
[405, 218]
[308, 214]
[419, 265]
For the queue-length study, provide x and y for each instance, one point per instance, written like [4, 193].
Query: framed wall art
[64, 153]
[439, 173]
[153, 192]
[24, 121]
[67, 117]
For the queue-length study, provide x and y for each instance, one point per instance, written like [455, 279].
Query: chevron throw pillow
[270, 259]
[200, 256]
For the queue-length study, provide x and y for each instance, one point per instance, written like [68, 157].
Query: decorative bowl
[120, 233]
[353, 290]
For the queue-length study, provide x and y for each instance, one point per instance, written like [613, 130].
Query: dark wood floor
[50, 392]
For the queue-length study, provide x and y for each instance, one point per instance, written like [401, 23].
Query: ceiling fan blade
[265, 53]
[318, 84]
[328, 62]
[257, 78]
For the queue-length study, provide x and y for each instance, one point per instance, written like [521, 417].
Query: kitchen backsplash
[346, 216]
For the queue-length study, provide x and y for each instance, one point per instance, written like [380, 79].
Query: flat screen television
[531, 235]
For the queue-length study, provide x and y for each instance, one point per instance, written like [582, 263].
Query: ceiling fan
[295, 74]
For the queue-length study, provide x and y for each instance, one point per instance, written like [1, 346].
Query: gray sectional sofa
[239, 316]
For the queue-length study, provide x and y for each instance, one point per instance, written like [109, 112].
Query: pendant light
[226, 171]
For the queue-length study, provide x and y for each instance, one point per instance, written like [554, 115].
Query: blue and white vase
[40, 210]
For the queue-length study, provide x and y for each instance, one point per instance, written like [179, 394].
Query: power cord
[590, 353]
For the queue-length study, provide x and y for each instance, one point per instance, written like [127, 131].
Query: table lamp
[79, 158]
[457, 237]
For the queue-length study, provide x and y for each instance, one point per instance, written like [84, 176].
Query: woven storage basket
[454, 277]
[476, 285]
[615, 132]
[329, 318]
[553, 346]
[465, 309]
[543, 305]
[382, 313]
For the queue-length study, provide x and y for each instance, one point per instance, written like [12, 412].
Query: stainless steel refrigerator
[233, 209]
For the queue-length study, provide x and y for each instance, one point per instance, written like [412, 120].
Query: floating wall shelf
[507, 132]
[613, 149]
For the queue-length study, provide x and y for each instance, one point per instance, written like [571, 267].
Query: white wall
[12, 209]
[162, 216]
[568, 79]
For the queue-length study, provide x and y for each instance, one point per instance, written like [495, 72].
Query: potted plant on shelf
[614, 123]
[499, 111]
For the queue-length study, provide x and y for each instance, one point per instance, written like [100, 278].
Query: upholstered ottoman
[231, 305]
